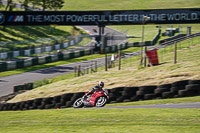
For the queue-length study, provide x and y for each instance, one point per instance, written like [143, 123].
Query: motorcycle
[98, 99]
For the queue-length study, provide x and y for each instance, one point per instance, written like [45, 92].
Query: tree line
[29, 5]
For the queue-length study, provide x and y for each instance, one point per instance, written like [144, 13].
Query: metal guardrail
[168, 43]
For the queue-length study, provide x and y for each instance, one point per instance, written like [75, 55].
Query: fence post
[95, 66]
[79, 70]
[145, 56]
[175, 53]
[119, 54]
[106, 61]
[91, 68]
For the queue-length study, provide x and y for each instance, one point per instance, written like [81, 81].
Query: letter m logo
[19, 19]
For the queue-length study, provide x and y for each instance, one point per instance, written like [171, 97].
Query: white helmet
[101, 84]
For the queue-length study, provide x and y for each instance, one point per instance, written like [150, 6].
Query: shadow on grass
[6, 38]
[31, 32]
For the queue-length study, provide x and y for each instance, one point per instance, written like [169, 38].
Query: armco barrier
[48, 59]
[41, 59]
[11, 65]
[71, 55]
[27, 62]
[167, 40]
[3, 66]
[119, 94]
[35, 61]
[20, 64]
[66, 56]
[27, 86]
[77, 54]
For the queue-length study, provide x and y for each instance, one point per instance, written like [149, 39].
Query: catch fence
[171, 47]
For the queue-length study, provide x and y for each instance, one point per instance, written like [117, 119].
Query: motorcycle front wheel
[101, 101]
[78, 103]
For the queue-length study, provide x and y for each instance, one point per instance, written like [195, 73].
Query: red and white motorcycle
[98, 99]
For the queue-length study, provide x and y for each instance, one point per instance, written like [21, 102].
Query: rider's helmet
[96, 87]
[101, 84]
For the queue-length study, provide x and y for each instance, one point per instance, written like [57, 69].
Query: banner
[118, 17]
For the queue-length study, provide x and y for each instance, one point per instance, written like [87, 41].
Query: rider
[98, 87]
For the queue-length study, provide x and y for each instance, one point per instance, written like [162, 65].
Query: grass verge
[135, 120]
[86, 5]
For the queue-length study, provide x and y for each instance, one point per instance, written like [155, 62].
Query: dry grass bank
[168, 72]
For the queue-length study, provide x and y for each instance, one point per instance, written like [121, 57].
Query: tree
[42, 4]
[56, 4]
[51, 4]
[25, 4]
[9, 5]
[1, 4]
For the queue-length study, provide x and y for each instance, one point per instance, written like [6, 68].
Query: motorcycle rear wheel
[78, 103]
[101, 101]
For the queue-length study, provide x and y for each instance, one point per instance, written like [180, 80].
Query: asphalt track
[161, 106]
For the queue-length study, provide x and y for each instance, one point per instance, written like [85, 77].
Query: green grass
[128, 4]
[26, 34]
[136, 120]
[15, 33]
[105, 121]
[150, 31]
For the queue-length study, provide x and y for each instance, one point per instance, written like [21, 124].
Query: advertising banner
[117, 17]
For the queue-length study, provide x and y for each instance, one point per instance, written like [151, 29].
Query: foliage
[44, 4]
[1, 5]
